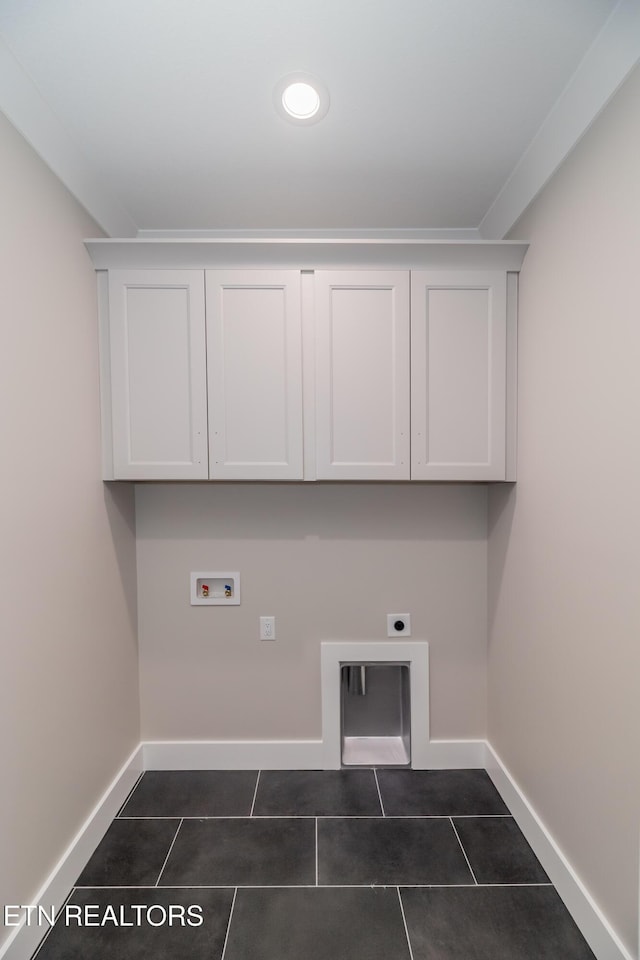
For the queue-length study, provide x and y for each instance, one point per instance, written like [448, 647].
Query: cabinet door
[158, 374]
[254, 362]
[362, 375]
[458, 370]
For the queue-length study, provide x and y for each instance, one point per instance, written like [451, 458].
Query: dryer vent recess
[398, 624]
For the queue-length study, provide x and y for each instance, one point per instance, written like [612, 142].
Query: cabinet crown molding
[305, 253]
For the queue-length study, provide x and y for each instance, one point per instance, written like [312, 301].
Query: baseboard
[55, 890]
[594, 926]
[232, 755]
[454, 755]
[289, 755]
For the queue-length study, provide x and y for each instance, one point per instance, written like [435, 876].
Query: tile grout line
[316, 851]
[375, 774]
[463, 850]
[338, 816]
[128, 797]
[404, 920]
[310, 886]
[255, 794]
[226, 938]
[51, 927]
[169, 853]
[258, 816]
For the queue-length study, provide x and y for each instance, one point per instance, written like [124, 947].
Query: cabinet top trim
[305, 253]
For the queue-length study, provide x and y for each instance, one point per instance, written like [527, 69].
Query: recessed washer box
[215, 589]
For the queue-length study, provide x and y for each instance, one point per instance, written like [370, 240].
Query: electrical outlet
[267, 628]
[398, 624]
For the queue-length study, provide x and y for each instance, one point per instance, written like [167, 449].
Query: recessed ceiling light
[301, 99]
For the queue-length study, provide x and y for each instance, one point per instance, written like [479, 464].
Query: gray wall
[68, 659]
[329, 561]
[564, 544]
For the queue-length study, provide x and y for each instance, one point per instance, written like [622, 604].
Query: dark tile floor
[354, 864]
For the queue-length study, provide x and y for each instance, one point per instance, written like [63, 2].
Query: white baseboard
[593, 925]
[232, 755]
[454, 755]
[55, 890]
[290, 755]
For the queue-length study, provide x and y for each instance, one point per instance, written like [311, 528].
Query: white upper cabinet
[265, 372]
[254, 373]
[458, 375]
[157, 374]
[362, 417]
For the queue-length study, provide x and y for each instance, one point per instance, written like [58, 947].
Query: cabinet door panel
[158, 372]
[254, 374]
[458, 368]
[362, 375]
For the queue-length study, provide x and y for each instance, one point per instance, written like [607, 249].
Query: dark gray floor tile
[242, 853]
[316, 925]
[389, 851]
[428, 793]
[143, 939]
[491, 923]
[192, 793]
[131, 853]
[317, 793]
[498, 851]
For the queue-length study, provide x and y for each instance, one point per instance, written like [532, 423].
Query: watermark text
[92, 915]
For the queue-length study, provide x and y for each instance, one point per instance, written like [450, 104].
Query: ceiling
[159, 114]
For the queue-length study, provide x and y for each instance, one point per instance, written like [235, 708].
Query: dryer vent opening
[375, 714]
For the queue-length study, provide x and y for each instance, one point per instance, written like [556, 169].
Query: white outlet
[398, 624]
[267, 628]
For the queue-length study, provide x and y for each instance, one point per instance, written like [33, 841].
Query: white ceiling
[159, 113]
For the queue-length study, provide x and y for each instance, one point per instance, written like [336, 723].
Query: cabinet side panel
[105, 375]
[511, 426]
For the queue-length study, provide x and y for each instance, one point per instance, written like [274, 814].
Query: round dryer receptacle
[398, 624]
